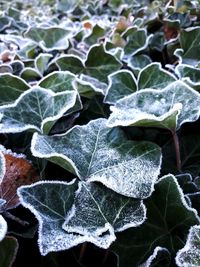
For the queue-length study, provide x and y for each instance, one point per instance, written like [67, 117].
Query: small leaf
[98, 64]
[97, 209]
[41, 62]
[168, 219]
[189, 256]
[154, 77]
[121, 83]
[8, 251]
[40, 109]
[138, 62]
[189, 74]
[3, 228]
[11, 87]
[168, 108]
[104, 155]
[19, 171]
[50, 38]
[159, 257]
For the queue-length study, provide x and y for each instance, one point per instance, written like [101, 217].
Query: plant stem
[14, 218]
[82, 251]
[177, 149]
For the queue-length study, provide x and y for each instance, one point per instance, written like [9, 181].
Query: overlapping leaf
[8, 251]
[104, 155]
[3, 228]
[168, 108]
[36, 109]
[51, 202]
[168, 219]
[189, 256]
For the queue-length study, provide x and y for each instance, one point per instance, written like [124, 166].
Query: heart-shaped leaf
[40, 109]
[168, 219]
[121, 83]
[104, 155]
[49, 38]
[168, 108]
[98, 64]
[154, 77]
[190, 254]
[11, 87]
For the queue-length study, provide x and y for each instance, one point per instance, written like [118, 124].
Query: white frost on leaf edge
[188, 246]
[153, 256]
[3, 228]
[186, 79]
[3, 165]
[52, 155]
[110, 82]
[46, 120]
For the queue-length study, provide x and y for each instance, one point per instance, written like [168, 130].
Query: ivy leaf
[105, 155]
[190, 50]
[121, 83]
[3, 228]
[8, 250]
[40, 109]
[98, 210]
[168, 219]
[138, 62]
[49, 38]
[98, 64]
[11, 87]
[168, 108]
[189, 254]
[2, 166]
[189, 74]
[41, 62]
[154, 77]
[159, 257]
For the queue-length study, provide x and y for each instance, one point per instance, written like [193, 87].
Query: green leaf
[41, 62]
[50, 203]
[97, 32]
[8, 250]
[40, 109]
[189, 255]
[11, 87]
[137, 62]
[168, 219]
[99, 211]
[30, 74]
[49, 38]
[105, 155]
[121, 83]
[155, 77]
[190, 50]
[98, 64]
[3, 228]
[189, 74]
[168, 108]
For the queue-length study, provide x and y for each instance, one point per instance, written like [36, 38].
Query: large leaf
[3, 228]
[168, 108]
[49, 38]
[36, 109]
[8, 251]
[11, 87]
[104, 155]
[154, 77]
[189, 256]
[121, 83]
[189, 40]
[168, 219]
[97, 209]
[98, 64]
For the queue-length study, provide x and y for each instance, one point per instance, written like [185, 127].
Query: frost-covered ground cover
[99, 132]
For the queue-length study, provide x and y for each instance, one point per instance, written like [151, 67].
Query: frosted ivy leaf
[42, 61]
[49, 38]
[189, 74]
[189, 255]
[95, 152]
[97, 209]
[62, 81]
[154, 77]
[36, 109]
[3, 228]
[50, 201]
[121, 83]
[2, 166]
[98, 64]
[168, 108]
[11, 87]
